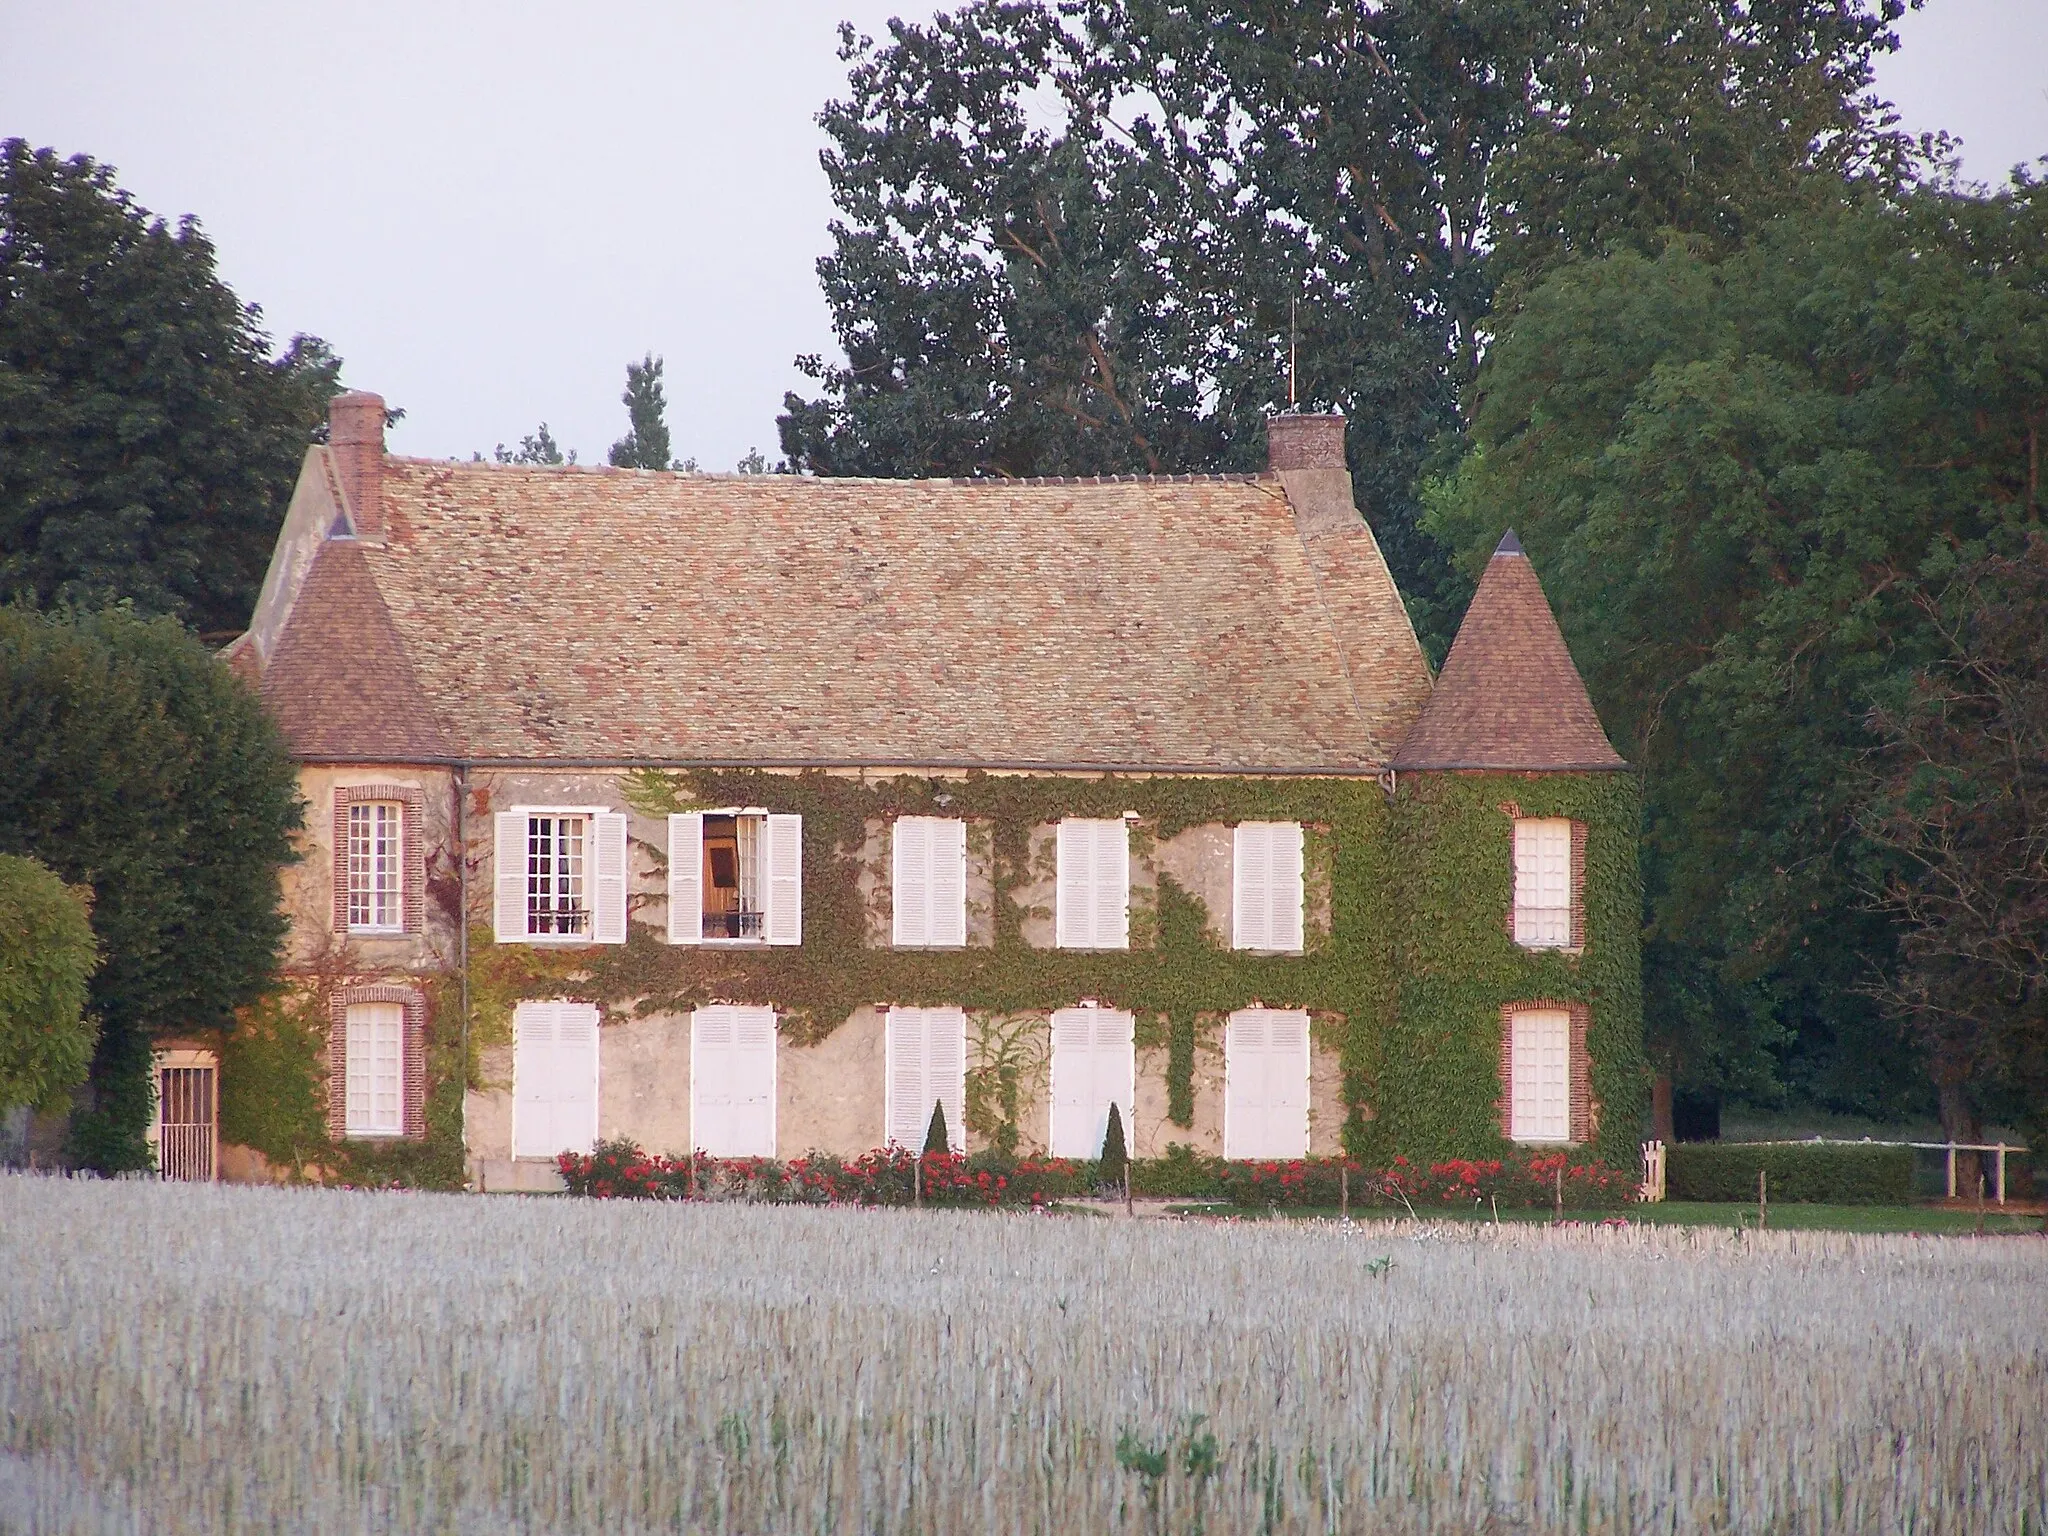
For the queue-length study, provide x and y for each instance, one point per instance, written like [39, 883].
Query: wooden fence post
[2001, 1173]
[1951, 1170]
[1762, 1199]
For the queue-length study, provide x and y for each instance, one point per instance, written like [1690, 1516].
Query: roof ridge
[728, 477]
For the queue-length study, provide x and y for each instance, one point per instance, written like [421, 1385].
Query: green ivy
[1422, 882]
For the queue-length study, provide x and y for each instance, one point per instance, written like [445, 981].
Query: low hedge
[1802, 1173]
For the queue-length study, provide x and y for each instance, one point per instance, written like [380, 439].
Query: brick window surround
[412, 803]
[1579, 1079]
[414, 1001]
[1513, 812]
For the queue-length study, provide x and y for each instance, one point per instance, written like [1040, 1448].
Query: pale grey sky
[487, 209]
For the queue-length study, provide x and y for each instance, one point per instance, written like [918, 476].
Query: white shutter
[554, 1078]
[1543, 874]
[948, 886]
[1094, 1065]
[910, 883]
[1265, 1083]
[1074, 887]
[927, 1064]
[608, 925]
[784, 923]
[508, 869]
[1286, 890]
[732, 1081]
[1112, 886]
[1251, 887]
[686, 878]
[1539, 1075]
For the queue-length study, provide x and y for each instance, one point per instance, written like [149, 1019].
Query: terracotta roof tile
[603, 615]
[340, 684]
[1509, 697]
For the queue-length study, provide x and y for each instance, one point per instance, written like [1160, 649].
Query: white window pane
[375, 888]
[374, 1069]
[1543, 875]
[1539, 1099]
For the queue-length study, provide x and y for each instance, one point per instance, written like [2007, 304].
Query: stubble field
[180, 1358]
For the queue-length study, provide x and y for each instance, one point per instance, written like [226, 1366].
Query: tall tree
[1734, 475]
[1110, 235]
[47, 954]
[133, 762]
[149, 438]
[645, 445]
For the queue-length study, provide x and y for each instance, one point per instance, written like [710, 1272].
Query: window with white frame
[735, 877]
[1092, 895]
[1094, 1065]
[373, 1069]
[927, 1068]
[554, 1078]
[1539, 1075]
[1265, 1083]
[1266, 886]
[376, 872]
[928, 882]
[732, 1081]
[1543, 883]
[561, 876]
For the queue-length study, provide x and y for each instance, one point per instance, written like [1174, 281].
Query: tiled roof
[340, 684]
[1509, 696]
[611, 616]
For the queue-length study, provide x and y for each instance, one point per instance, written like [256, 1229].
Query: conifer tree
[645, 445]
[935, 1136]
[1116, 1160]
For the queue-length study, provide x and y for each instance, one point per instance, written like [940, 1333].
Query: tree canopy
[1110, 236]
[1738, 477]
[149, 438]
[133, 762]
[47, 954]
[645, 445]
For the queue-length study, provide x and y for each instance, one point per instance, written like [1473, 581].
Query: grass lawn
[1687, 1213]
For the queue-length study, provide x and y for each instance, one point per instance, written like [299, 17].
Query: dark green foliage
[538, 447]
[1180, 1069]
[149, 441]
[1734, 477]
[1806, 1174]
[1115, 1162]
[935, 1134]
[272, 1080]
[132, 761]
[47, 955]
[1183, 1174]
[645, 445]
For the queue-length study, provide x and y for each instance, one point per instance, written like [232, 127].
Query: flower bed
[619, 1170]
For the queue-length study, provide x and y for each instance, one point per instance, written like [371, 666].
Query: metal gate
[187, 1129]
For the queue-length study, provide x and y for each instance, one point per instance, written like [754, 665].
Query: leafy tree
[645, 445]
[1960, 795]
[47, 954]
[1109, 236]
[1735, 477]
[539, 447]
[149, 440]
[132, 761]
[935, 1137]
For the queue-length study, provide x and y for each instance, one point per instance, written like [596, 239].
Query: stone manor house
[760, 814]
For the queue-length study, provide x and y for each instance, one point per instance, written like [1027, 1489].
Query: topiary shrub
[1800, 1173]
[1116, 1160]
[935, 1138]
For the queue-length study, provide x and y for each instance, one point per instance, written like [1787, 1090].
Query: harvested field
[184, 1358]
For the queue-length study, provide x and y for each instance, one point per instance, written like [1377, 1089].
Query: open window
[561, 876]
[735, 877]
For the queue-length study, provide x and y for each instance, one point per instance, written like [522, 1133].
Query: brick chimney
[355, 436]
[1304, 442]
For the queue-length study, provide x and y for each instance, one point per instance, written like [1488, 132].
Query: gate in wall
[187, 1126]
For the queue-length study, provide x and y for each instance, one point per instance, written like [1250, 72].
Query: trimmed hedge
[1802, 1173]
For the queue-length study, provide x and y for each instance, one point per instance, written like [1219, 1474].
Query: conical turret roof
[1509, 696]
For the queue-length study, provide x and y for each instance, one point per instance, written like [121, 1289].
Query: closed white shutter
[910, 884]
[1267, 886]
[554, 1079]
[1094, 1065]
[686, 878]
[609, 922]
[508, 870]
[1539, 1072]
[784, 923]
[1543, 882]
[1265, 1083]
[1092, 896]
[732, 1081]
[926, 1065]
[949, 884]
[373, 1069]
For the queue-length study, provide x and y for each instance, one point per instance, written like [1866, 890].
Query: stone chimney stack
[1304, 442]
[355, 436]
